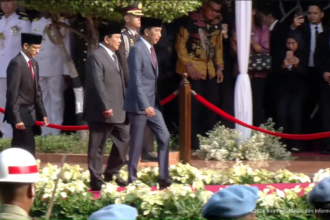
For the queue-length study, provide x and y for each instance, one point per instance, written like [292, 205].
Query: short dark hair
[22, 43]
[317, 5]
[101, 38]
[219, 2]
[268, 10]
[8, 190]
[142, 29]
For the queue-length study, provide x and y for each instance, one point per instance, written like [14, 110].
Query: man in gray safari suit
[142, 103]
[103, 109]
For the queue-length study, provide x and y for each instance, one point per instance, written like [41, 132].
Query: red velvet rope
[233, 119]
[85, 127]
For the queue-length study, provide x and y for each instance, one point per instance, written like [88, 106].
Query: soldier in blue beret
[319, 198]
[115, 212]
[233, 202]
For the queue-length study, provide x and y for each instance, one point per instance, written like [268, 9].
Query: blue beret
[320, 193]
[233, 201]
[115, 212]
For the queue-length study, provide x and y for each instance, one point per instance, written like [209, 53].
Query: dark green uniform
[13, 212]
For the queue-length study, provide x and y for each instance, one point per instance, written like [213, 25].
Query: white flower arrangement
[221, 145]
[179, 201]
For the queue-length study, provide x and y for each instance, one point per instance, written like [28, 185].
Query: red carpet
[280, 186]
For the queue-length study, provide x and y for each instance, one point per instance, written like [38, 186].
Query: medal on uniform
[2, 38]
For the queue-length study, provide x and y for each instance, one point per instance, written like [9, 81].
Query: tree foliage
[168, 10]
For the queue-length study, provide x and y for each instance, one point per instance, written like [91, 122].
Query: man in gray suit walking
[103, 109]
[142, 103]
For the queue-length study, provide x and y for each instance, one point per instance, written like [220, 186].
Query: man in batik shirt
[200, 54]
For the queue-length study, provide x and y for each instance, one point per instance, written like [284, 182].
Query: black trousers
[203, 119]
[289, 110]
[258, 87]
[98, 135]
[24, 139]
[324, 108]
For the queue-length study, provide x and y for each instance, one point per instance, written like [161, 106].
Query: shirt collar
[316, 25]
[146, 43]
[130, 30]
[108, 50]
[271, 27]
[25, 57]
[11, 16]
[12, 209]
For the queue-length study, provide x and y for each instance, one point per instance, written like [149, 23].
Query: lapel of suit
[27, 71]
[147, 51]
[107, 56]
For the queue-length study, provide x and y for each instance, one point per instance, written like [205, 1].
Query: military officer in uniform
[52, 67]
[132, 15]
[12, 24]
[18, 174]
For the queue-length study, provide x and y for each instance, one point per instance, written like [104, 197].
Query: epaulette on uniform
[23, 16]
[36, 19]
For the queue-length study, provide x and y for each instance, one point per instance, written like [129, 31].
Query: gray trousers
[158, 127]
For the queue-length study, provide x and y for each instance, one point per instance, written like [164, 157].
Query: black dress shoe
[326, 150]
[148, 157]
[118, 180]
[164, 183]
[96, 186]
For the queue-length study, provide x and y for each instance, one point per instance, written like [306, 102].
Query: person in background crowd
[290, 80]
[278, 31]
[103, 109]
[18, 175]
[322, 65]
[200, 54]
[115, 212]
[132, 16]
[310, 31]
[259, 45]
[227, 87]
[52, 68]
[142, 103]
[232, 202]
[24, 97]
[319, 199]
[12, 24]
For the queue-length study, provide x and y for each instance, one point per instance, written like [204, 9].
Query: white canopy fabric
[243, 96]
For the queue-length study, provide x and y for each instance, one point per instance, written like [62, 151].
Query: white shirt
[50, 57]
[147, 43]
[108, 50]
[271, 27]
[313, 42]
[27, 59]
[10, 42]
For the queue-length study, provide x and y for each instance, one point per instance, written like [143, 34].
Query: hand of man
[193, 73]
[224, 30]
[219, 76]
[108, 113]
[297, 21]
[20, 126]
[326, 77]
[150, 112]
[46, 122]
